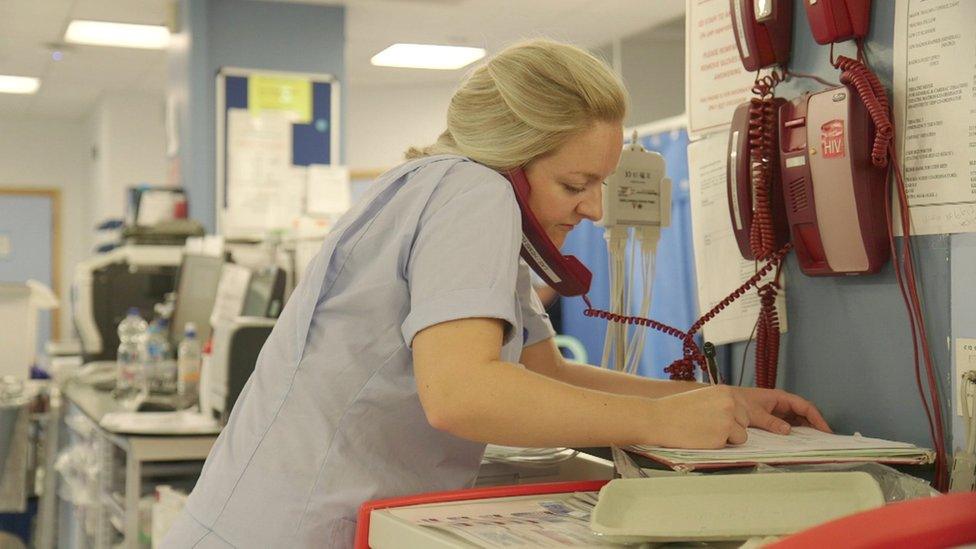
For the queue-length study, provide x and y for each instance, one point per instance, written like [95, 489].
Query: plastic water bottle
[131, 382]
[203, 393]
[188, 366]
[159, 359]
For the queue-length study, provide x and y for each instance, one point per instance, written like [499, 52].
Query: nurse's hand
[775, 410]
[706, 418]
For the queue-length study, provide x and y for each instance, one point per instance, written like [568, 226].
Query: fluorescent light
[124, 35]
[18, 84]
[426, 56]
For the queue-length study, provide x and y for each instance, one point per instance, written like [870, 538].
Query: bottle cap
[133, 311]
[190, 329]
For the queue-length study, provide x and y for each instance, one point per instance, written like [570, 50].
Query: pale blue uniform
[330, 418]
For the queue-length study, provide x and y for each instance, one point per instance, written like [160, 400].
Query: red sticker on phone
[832, 138]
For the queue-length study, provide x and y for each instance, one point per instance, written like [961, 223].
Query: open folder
[802, 445]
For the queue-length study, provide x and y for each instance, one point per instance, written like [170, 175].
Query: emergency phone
[834, 193]
[802, 171]
[804, 174]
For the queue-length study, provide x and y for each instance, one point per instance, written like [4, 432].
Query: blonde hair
[526, 102]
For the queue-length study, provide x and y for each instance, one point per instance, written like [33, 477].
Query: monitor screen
[196, 290]
[264, 293]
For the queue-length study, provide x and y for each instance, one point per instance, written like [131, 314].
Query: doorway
[30, 247]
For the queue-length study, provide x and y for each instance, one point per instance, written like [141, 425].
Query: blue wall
[250, 35]
[962, 293]
[848, 348]
[26, 221]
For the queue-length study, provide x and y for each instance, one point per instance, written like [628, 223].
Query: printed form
[720, 266]
[935, 112]
[715, 81]
[557, 520]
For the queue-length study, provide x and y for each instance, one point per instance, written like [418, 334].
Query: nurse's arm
[544, 358]
[768, 409]
[466, 390]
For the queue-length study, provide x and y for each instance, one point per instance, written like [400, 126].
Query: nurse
[415, 336]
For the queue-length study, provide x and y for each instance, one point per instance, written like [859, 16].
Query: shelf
[171, 468]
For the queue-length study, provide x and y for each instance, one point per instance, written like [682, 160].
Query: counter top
[96, 404]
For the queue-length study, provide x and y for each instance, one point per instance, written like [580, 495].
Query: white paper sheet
[935, 112]
[800, 439]
[183, 422]
[556, 520]
[264, 191]
[719, 266]
[156, 205]
[231, 292]
[715, 80]
[328, 190]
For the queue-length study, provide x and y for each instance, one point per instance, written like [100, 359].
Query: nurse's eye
[572, 189]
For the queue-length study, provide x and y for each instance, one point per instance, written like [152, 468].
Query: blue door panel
[25, 223]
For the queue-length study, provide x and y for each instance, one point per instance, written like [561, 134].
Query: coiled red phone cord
[767, 334]
[684, 368]
[762, 154]
[762, 123]
[874, 96]
[875, 99]
[762, 233]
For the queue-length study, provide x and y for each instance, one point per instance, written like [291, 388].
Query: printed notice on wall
[718, 263]
[716, 82]
[264, 190]
[935, 110]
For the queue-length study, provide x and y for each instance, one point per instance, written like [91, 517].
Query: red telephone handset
[838, 20]
[564, 273]
[763, 30]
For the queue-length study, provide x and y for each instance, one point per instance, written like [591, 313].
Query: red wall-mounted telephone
[835, 195]
[564, 273]
[838, 20]
[752, 174]
[763, 30]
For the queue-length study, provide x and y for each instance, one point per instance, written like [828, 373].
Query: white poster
[719, 266]
[264, 190]
[935, 112]
[715, 80]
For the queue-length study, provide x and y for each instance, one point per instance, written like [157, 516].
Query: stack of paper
[802, 445]
[551, 520]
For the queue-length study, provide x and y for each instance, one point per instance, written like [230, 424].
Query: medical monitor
[196, 290]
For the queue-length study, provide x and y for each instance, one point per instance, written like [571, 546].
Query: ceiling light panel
[427, 56]
[18, 84]
[123, 35]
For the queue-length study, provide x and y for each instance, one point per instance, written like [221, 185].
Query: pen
[709, 350]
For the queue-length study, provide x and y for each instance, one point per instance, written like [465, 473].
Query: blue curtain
[673, 298]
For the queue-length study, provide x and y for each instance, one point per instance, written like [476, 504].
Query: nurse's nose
[591, 206]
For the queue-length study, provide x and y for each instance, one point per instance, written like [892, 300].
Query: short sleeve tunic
[331, 418]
